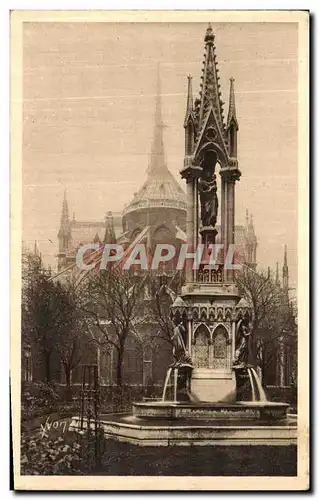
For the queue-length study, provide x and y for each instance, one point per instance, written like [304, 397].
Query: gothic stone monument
[209, 302]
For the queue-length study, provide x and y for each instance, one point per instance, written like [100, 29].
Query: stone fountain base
[197, 431]
[241, 410]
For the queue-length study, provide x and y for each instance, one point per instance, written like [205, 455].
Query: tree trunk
[47, 367]
[119, 377]
[67, 371]
[119, 366]
[263, 369]
[67, 375]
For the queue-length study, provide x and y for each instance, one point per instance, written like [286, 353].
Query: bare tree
[111, 302]
[47, 311]
[273, 318]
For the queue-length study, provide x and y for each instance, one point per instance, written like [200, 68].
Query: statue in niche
[183, 364]
[182, 358]
[207, 187]
[242, 344]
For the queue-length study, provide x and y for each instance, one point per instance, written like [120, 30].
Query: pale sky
[88, 117]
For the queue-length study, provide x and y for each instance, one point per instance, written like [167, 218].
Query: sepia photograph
[159, 257]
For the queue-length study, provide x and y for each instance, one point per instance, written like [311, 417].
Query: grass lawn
[123, 459]
[126, 459]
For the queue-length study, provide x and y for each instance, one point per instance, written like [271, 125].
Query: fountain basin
[194, 432]
[260, 410]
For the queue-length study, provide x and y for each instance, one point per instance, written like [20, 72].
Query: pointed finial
[35, 250]
[209, 36]
[109, 236]
[232, 107]
[189, 105]
[247, 217]
[189, 94]
[285, 273]
[210, 95]
[277, 274]
[96, 238]
[285, 257]
[64, 220]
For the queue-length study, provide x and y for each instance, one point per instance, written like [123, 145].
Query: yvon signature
[45, 428]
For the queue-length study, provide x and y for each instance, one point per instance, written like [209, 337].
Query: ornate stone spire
[251, 241]
[157, 159]
[277, 274]
[109, 236]
[210, 94]
[35, 249]
[285, 272]
[231, 118]
[64, 234]
[190, 104]
[160, 188]
[96, 238]
[64, 221]
[208, 113]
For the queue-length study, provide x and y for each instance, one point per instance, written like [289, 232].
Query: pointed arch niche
[201, 346]
[220, 350]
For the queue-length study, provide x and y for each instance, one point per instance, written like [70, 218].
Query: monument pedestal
[211, 312]
[213, 385]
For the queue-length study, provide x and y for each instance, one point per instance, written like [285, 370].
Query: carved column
[224, 218]
[230, 220]
[281, 362]
[222, 211]
[190, 335]
[233, 340]
[196, 228]
[190, 227]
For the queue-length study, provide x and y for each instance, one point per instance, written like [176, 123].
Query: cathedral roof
[160, 189]
[83, 232]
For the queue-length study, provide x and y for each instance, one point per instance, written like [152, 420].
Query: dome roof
[160, 189]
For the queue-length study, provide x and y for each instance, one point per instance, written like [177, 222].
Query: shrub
[46, 457]
[74, 453]
[38, 398]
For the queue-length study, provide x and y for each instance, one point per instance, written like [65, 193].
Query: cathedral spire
[157, 160]
[64, 221]
[35, 249]
[210, 95]
[247, 219]
[231, 118]
[277, 274]
[160, 188]
[109, 236]
[64, 234]
[285, 272]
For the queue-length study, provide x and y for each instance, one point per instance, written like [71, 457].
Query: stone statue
[207, 187]
[242, 344]
[182, 358]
